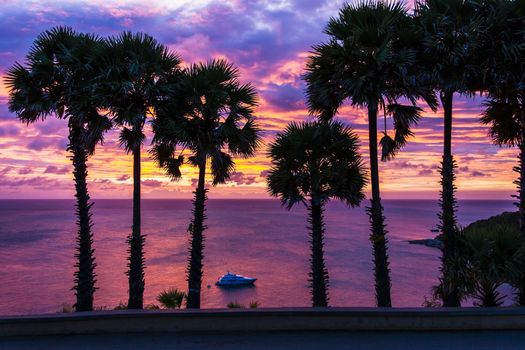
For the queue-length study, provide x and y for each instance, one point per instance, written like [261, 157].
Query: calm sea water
[256, 238]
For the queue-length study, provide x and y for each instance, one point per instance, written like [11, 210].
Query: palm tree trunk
[319, 274]
[375, 212]
[448, 207]
[196, 242]
[520, 182]
[85, 273]
[136, 243]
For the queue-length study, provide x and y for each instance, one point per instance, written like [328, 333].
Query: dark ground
[476, 340]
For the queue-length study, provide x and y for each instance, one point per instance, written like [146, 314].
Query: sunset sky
[269, 41]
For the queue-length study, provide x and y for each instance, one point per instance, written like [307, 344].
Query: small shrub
[152, 307]
[101, 308]
[121, 306]
[171, 298]
[431, 302]
[234, 305]
[67, 309]
[254, 304]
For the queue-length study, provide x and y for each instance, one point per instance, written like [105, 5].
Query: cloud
[151, 183]
[42, 143]
[6, 169]
[241, 179]
[9, 131]
[25, 171]
[425, 172]
[284, 97]
[51, 169]
[477, 173]
[35, 182]
[123, 177]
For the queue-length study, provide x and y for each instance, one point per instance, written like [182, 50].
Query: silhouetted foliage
[57, 79]
[171, 298]
[210, 116]
[137, 70]
[503, 66]
[370, 59]
[311, 164]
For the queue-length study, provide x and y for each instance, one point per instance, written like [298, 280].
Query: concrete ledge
[286, 319]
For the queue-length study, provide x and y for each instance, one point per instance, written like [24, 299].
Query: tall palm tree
[503, 78]
[450, 37]
[57, 80]
[135, 68]
[211, 117]
[311, 164]
[370, 60]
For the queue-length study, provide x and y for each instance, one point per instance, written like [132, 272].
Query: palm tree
[135, 68]
[370, 60]
[493, 255]
[211, 117]
[450, 29]
[504, 81]
[311, 164]
[57, 80]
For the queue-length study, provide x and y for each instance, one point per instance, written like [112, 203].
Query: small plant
[152, 307]
[234, 305]
[171, 298]
[254, 304]
[101, 308]
[67, 309]
[431, 302]
[121, 306]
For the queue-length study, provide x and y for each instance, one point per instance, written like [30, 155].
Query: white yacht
[231, 279]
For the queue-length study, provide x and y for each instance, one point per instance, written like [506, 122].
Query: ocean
[256, 238]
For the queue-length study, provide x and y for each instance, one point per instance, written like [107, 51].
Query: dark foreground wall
[289, 319]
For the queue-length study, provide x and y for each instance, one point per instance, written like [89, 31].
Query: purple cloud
[35, 182]
[284, 97]
[5, 170]
[151, 183]
[25, 171]
[477, 173]
[9, 131]
[241, 179]
[123, 177]
[41, 143]
[56, 170]
[425, 172]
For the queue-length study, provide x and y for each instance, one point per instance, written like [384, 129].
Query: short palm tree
[370, 60]
[210, 116]
[58, 80]
[450, 37]
[493, 255]
[504, 68]
[134, 69]
[311, 164]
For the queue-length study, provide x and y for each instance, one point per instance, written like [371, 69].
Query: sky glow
[269, 42]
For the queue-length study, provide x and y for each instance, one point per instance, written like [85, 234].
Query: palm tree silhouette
[58, 80]
[449, 29]
[370, 59]
[311, 164]
[503, 78]
[135, 68]
[210, 116]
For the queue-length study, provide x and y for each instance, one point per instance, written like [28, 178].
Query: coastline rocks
[429, 242]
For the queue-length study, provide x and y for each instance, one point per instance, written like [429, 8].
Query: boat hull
[246, 282]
